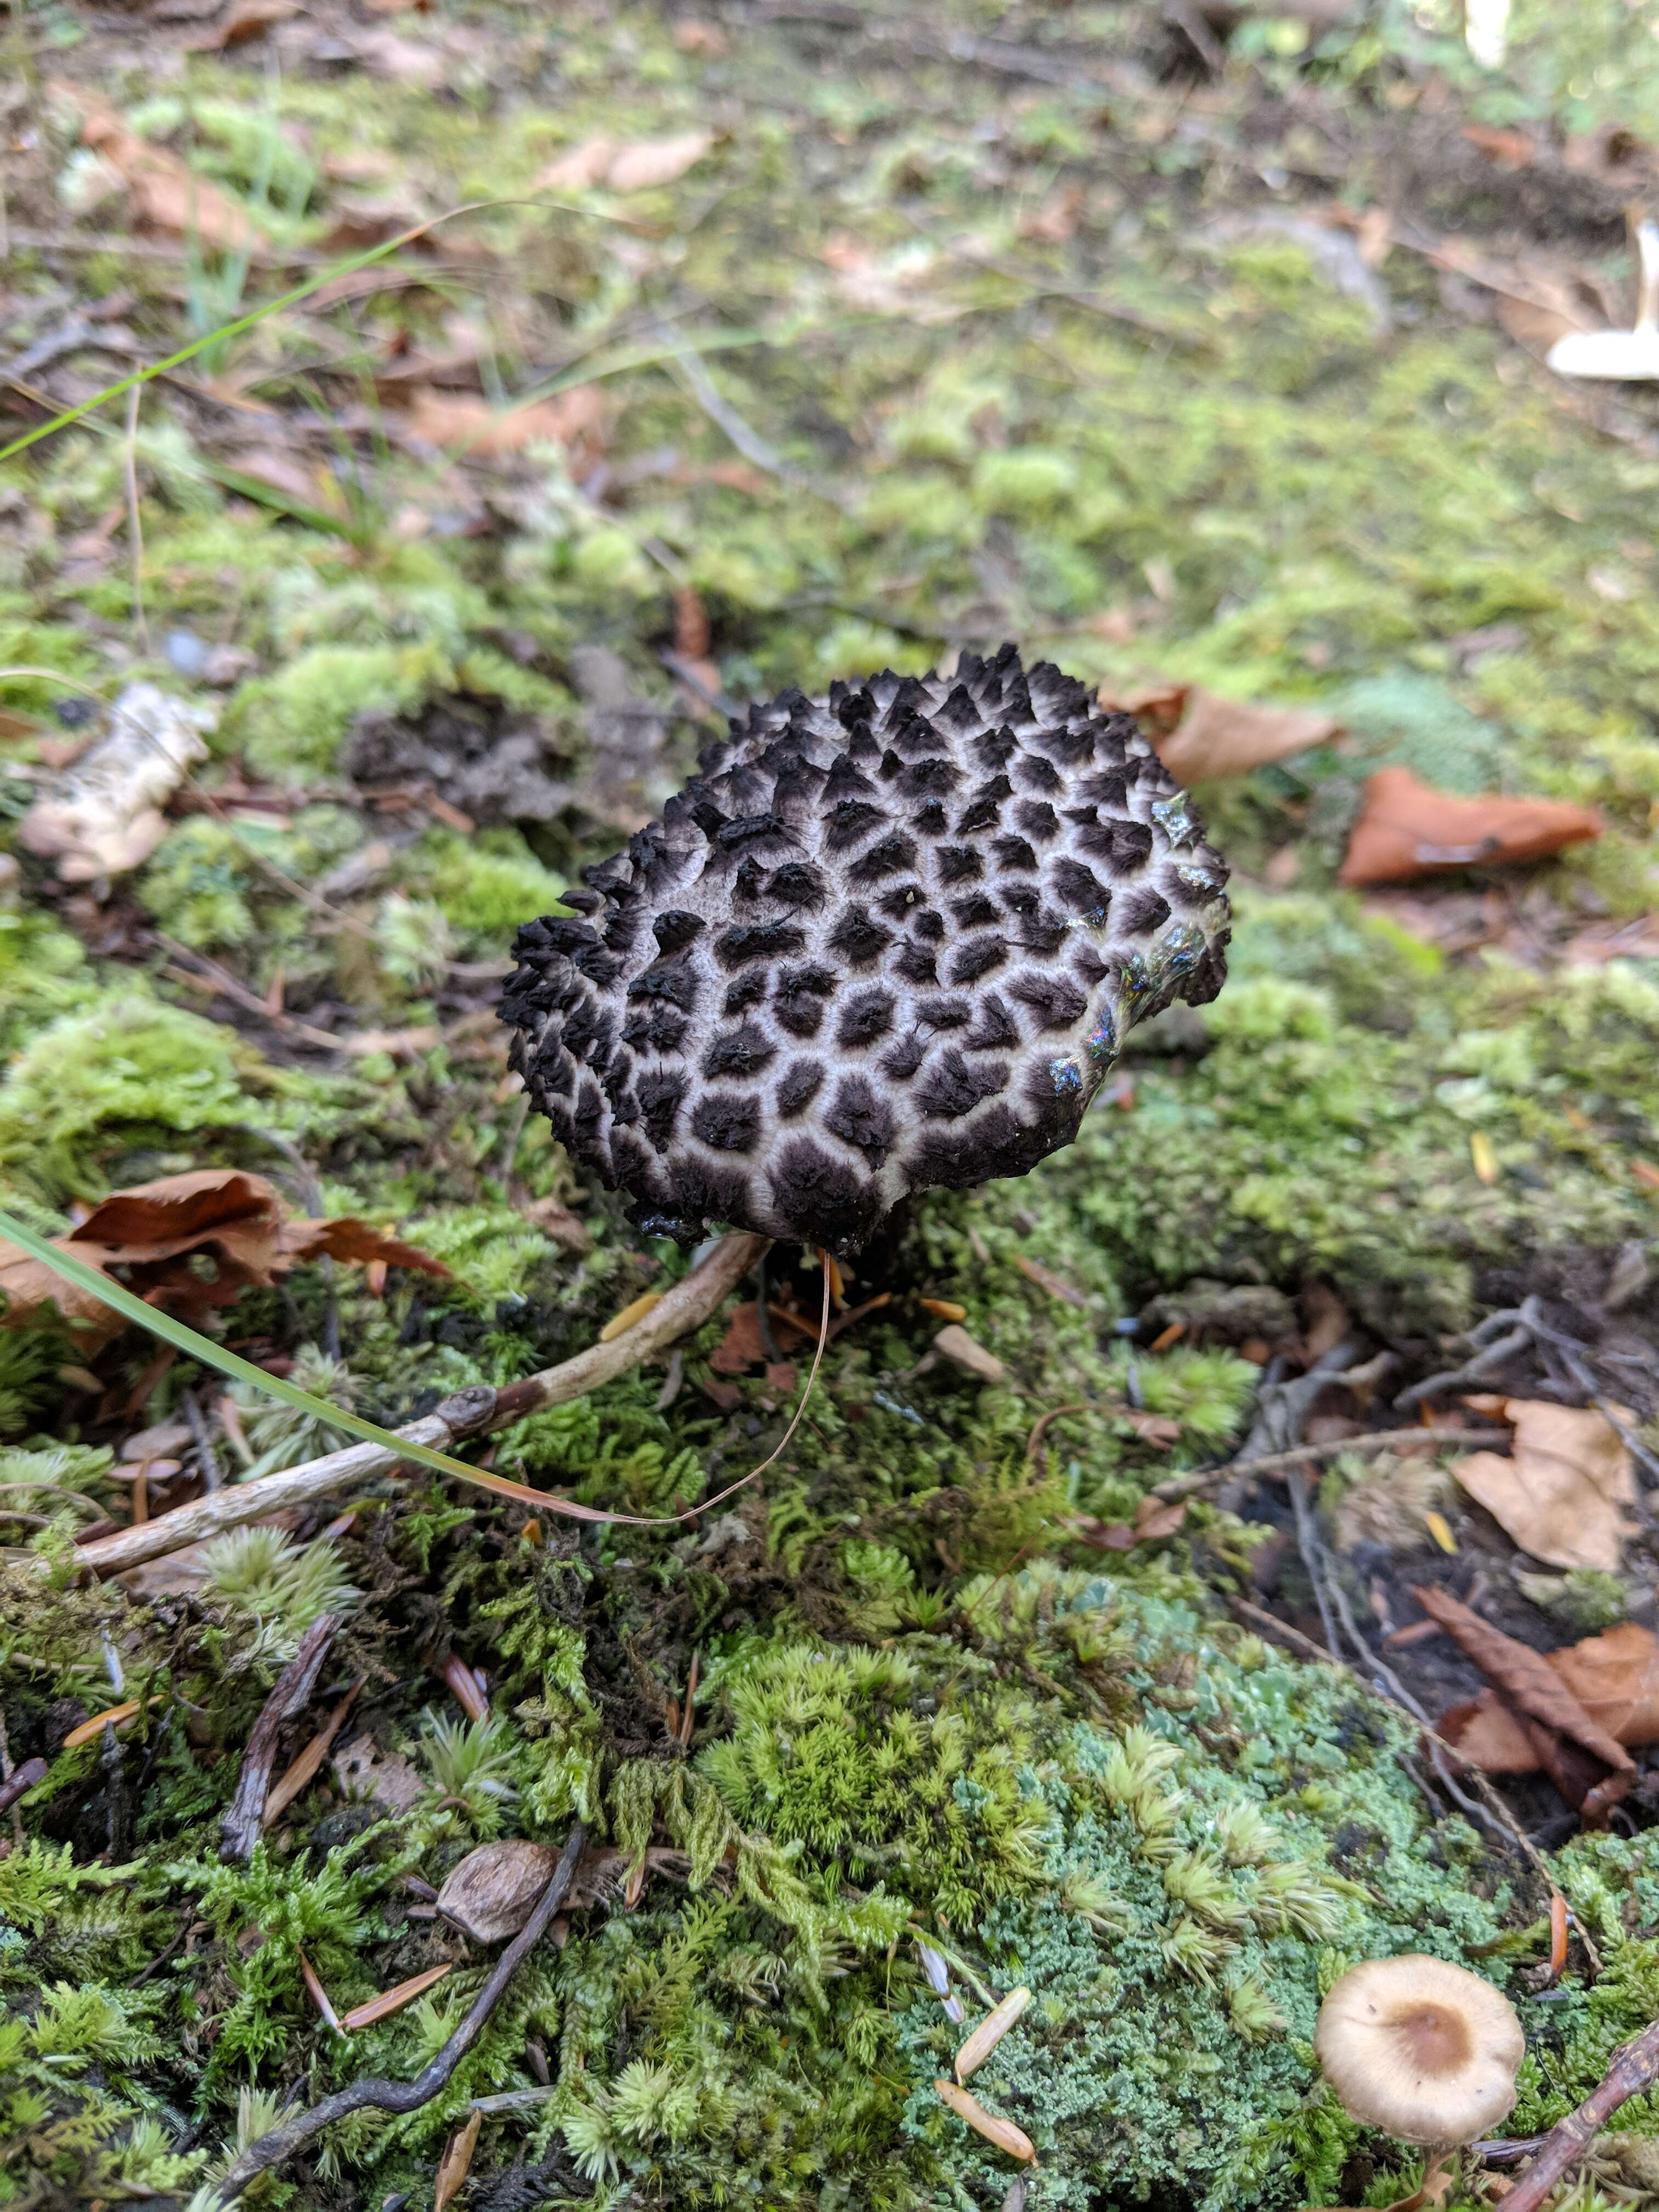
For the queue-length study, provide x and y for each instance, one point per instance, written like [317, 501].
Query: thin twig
[1040, 1426]
[207, 1460]
[747, 440]
[135, 528]
[1635, 2068]
[291, 2135]
[20, 1781]
[1187, 1485]
[240, 1828]
[1584, 1377]
[1307, 1542]
[475, 1411]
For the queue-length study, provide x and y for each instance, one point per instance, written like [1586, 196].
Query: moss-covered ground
[1032, 323]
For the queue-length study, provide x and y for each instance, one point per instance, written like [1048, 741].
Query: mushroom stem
[470, 1413]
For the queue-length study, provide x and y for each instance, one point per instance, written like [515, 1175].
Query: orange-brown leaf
[156, 1231]
[390, 2001]
[1406, 828]
[1524, 1676]
[457, 2161]
[1567, 1493]
[1197, 735]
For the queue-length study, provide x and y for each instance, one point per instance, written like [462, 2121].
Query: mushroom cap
[1425, 2051]
[882, 941]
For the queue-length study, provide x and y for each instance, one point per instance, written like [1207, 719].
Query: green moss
[291, 723]
[127, 1073]
[486, 884]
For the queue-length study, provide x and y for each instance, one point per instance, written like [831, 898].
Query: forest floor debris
[1082, 1638]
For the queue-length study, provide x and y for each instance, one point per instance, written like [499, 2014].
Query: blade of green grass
[346, 266]
[202, 1348]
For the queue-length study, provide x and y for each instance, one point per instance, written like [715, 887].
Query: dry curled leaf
[573, 419]
[364, 1771]
[1535, 1690]
[1046, 1280]
[1567, 1493]
[157, 1233]
[163, 193]
[246, 20]
[560, 1225]
[1197, 735]
[1614, 1677]
[493, 1892]
[953, 1343]
[457, 2161]
[1406, 828]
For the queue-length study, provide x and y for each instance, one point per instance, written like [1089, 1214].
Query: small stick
[239, 1830]
[1634, 2069]
[292, 2134]
[21, 1780]
[472, 1411]
[1187, 1485]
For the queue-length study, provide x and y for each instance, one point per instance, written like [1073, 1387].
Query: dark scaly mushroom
[883, 941]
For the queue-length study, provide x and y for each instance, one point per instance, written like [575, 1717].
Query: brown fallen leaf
[1406, 828]
[1153, 1519]
[363, 1770]
[306, 1767]
[155, 1233]
[637, 165]
[457, 2161]
[741, 1348]
[1197, 735]
[105, 817]
[1532, 1686]
[1567, 1493]
[393, 2000]
[162, 192]
[560, 1225]
[1614, 1676]
[574, 419]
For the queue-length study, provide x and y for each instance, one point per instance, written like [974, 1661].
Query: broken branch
[1634, 2069]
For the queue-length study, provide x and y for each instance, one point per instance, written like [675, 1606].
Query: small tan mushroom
[1425, 2051]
